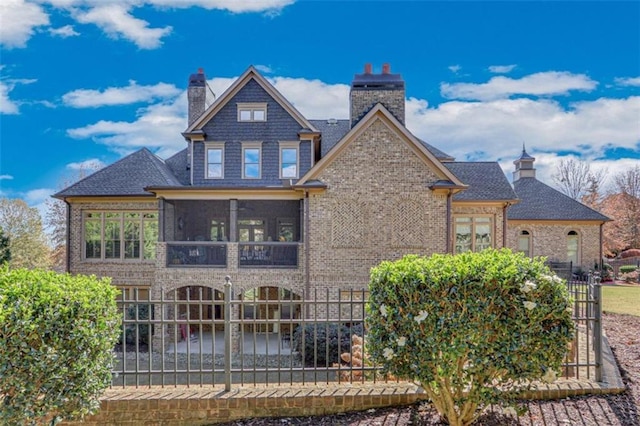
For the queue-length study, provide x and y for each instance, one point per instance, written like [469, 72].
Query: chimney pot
[386, 68]
[200, 71]
[367, 68]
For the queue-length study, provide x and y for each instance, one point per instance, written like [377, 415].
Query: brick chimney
[196, 95]
[369, 89]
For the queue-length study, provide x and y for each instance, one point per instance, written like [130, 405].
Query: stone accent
[362, 100]
[550, 239]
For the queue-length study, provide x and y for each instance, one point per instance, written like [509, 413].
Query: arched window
[525, 240]
[573, 248]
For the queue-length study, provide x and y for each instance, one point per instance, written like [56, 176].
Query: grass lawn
[621, 299]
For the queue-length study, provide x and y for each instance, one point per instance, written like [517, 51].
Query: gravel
[623, 332]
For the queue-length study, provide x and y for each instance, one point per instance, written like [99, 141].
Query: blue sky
[88, 81]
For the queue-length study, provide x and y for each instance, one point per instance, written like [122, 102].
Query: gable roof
[126, 177]
[486, 181]
[178, 164]
[539, 201]
[379, 112]
[250, 74]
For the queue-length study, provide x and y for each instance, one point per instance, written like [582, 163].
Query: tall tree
[575, 178]
[5, 252]
[627, 183]
[27, 240]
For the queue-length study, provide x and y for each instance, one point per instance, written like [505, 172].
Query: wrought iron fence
[270, 337]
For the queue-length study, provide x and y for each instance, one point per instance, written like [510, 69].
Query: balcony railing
[268, 255]
[196, 254]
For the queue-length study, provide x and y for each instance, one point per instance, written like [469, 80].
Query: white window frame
[529, 238]
[245, 147]
[289, 145]
[252, 108]
[207, 147]
[473, 224]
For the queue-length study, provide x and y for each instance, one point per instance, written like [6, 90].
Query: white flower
[528, 286]
[422, 315]
[549, 376]
[388, 353]
[383, 310]
[401, 341]
[529, 305]
[509, 411]
[557, 279]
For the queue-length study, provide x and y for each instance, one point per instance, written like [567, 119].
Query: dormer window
[252, 112]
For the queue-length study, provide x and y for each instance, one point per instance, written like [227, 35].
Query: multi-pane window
[288, 162]
[251, 156]
[251, 230]
[215, 162]
[252, 112]
[524, 243]
[120, 235]
[286, 230]
[218, 230]
[473, 233]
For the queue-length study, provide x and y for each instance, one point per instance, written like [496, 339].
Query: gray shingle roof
[178, 165]
[540, 201]
[486, 181]
[440, 155]
[127, 176]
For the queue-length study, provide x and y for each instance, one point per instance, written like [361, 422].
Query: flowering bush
[468, 327]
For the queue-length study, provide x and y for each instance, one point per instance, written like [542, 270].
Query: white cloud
[91, 165]
[6, 177]
[116, 21]
[133, 93]
[64, 32]
[501, 69]
[7, 105]
[19, 22]
[265, 69]
[37, 196]
[539, 84]
[628, 81]
[454, 68]
[328, 100]
[21, 18]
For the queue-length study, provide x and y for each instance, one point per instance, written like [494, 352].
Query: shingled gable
[539, 201]
[250, 74]
[379, 112]
[126, 177]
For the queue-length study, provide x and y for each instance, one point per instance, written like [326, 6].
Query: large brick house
[279, 201]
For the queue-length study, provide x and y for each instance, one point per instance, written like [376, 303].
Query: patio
[252, 343]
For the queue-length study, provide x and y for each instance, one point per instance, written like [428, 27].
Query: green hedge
[625, 269]
[468, 327]
[57, 335]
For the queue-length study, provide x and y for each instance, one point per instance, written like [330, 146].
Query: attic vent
[332, 121]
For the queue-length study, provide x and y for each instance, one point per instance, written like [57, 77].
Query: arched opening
[202, 305]
[573, 248]
[525, 240]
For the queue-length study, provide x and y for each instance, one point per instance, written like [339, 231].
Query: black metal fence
[269, 336]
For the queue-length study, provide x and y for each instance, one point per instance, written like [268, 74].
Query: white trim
[252, 145]
[289, 145]
[207, 147]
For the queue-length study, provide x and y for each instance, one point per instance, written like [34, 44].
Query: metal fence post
[227, 333]
[597, 327]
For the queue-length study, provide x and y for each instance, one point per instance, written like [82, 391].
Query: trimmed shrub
[57, 335]
[630, 253]
[321, 344]
[472, 329]
[625, 269]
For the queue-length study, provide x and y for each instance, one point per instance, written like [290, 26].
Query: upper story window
[289, 156]
[252, 112]
[120, 235]
[473, 233]
[251, 160]
[214, 161]
[524, 242]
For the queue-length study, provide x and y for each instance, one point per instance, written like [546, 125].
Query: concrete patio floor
[252, 343]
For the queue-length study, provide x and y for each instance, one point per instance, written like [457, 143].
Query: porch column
[233, 221]
[161, 236]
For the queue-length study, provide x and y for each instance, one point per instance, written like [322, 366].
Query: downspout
[600, 259]
[68, 242]
[504, 224]
[449, 247]
[307, 260]
[191, 161]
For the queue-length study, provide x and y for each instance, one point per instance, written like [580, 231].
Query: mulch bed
[623, 332]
